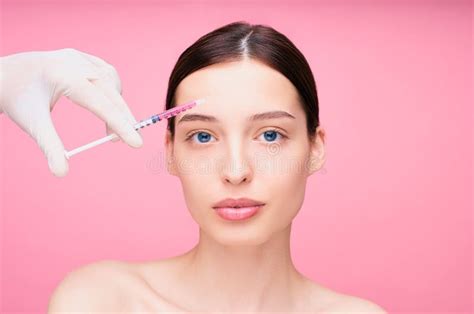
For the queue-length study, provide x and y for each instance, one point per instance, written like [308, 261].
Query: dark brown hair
[235, 41]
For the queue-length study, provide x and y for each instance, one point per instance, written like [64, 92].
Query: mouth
[237, 209]
[238, 203]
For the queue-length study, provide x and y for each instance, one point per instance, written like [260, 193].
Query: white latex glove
[32, 82]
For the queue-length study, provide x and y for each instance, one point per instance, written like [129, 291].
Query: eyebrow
[256, 117]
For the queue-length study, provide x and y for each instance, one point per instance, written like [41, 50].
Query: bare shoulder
[91, 288]
[351, 304]
[329, 301]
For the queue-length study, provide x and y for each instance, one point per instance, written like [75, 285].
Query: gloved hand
[32, 82]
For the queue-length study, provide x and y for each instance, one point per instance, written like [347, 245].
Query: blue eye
[271, 135]
[202, 136]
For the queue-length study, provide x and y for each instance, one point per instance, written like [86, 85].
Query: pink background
[387, 219]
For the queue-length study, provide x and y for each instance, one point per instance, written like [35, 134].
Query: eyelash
[189, 137]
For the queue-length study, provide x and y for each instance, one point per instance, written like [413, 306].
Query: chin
[229, 238]
[238, 234]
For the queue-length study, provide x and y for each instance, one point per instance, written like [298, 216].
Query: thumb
[52, 147]
[36, 121]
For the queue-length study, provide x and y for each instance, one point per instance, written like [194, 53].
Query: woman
[251, 145]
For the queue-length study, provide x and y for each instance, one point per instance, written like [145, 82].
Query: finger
[36, 121]
[93, 99]
[113, 95]
[109, 83]
[111, 92]
[95, 60]
[105, 68]
[52, 146]
[109, 131]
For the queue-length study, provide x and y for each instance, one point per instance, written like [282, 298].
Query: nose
[236, 169]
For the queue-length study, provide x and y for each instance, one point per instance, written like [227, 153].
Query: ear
[317, 156]
[170, 161]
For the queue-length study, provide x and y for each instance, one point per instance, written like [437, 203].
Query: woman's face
[233, 156]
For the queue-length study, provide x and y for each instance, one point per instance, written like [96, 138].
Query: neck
[242, 277]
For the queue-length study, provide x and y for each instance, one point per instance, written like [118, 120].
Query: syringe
[140, 125]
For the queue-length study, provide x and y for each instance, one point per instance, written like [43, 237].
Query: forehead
[246, 86]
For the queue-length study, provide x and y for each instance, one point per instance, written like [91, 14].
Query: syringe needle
[153, 119]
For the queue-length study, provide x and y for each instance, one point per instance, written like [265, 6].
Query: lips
[237, 203]
[237, 209]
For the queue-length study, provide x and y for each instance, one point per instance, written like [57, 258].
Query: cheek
[197, 184]
[286, 199]
[280, 177]
[197, 195]
[285, 181]
[198, 181]
[282, 162]
[197, 163]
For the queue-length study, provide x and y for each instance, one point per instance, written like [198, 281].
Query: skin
[243, 266]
